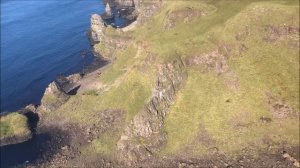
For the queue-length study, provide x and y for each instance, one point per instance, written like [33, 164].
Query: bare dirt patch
[282, 32]
[232, 81]
[279, 108]
[186, 14]
[211, 61]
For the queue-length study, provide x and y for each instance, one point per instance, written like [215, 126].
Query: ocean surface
[40, 40]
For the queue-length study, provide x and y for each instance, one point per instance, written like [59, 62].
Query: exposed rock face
[108, 14]
[70, 83]
[145, 134]
[146, 9]
[53, 97]
[143, 9]
[185, 14]
[97, 29]
[125, 3]
[213, 60]
[108, 9]
[106, 42]
[122, 3]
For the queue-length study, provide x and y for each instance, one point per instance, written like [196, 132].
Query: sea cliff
[188, 84]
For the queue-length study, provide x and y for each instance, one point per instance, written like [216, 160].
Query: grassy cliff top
[13, 124]
[242, 85]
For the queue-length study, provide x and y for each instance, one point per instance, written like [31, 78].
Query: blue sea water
[41, 39]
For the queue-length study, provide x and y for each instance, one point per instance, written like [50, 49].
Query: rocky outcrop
[69, 84]
[96, 33]
[53, 98]
[108, 12]
[141, 9]
[146, 9]
[187, 15]
[211, 61]
[105, 39]
[122, 3]
[145, 134]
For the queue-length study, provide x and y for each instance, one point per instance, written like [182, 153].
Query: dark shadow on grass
[41, 147]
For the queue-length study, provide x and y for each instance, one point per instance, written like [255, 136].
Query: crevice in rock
[148, 123]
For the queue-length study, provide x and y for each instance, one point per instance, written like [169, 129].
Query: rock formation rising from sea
[188, 84]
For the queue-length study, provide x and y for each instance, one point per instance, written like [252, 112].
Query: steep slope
[195, 83]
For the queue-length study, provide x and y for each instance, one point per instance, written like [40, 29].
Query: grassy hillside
[242, 86]
[13, 124]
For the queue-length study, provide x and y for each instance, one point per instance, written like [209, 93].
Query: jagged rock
[108, 9]
[31, 108]
[148, 123]
[126, 3]
[74, 78]
[108, 13]
[53, 97]
[117, 4]
[69, 84]
[97, 29]
[146, 9]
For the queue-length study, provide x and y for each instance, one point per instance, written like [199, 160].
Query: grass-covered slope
[231, 107]
[13, 128]
[242, 85]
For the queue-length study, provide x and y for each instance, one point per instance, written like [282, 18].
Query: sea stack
[108, 13]
[108, 9]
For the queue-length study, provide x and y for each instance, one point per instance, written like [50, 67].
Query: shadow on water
[41, 147]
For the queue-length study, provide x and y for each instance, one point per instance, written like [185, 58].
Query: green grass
[122, 64]
[230, 118]
[262, 68]
[13, 124]
[129, 95]
[202, 102]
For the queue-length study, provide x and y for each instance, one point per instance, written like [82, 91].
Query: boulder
[148, 123]
[97, 29]
[53, 97]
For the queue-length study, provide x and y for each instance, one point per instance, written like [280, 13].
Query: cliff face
[107, 38]
[147, 9]
[97, 29]
[53, 98]
[149, 122]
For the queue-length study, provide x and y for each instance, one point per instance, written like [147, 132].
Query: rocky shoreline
[60, 142]
[47, 136]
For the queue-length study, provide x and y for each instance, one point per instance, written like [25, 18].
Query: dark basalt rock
[53, 98]
[69, 84]
[148, 123]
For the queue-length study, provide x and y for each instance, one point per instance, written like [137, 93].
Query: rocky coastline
[60, 90]
[144, 135]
